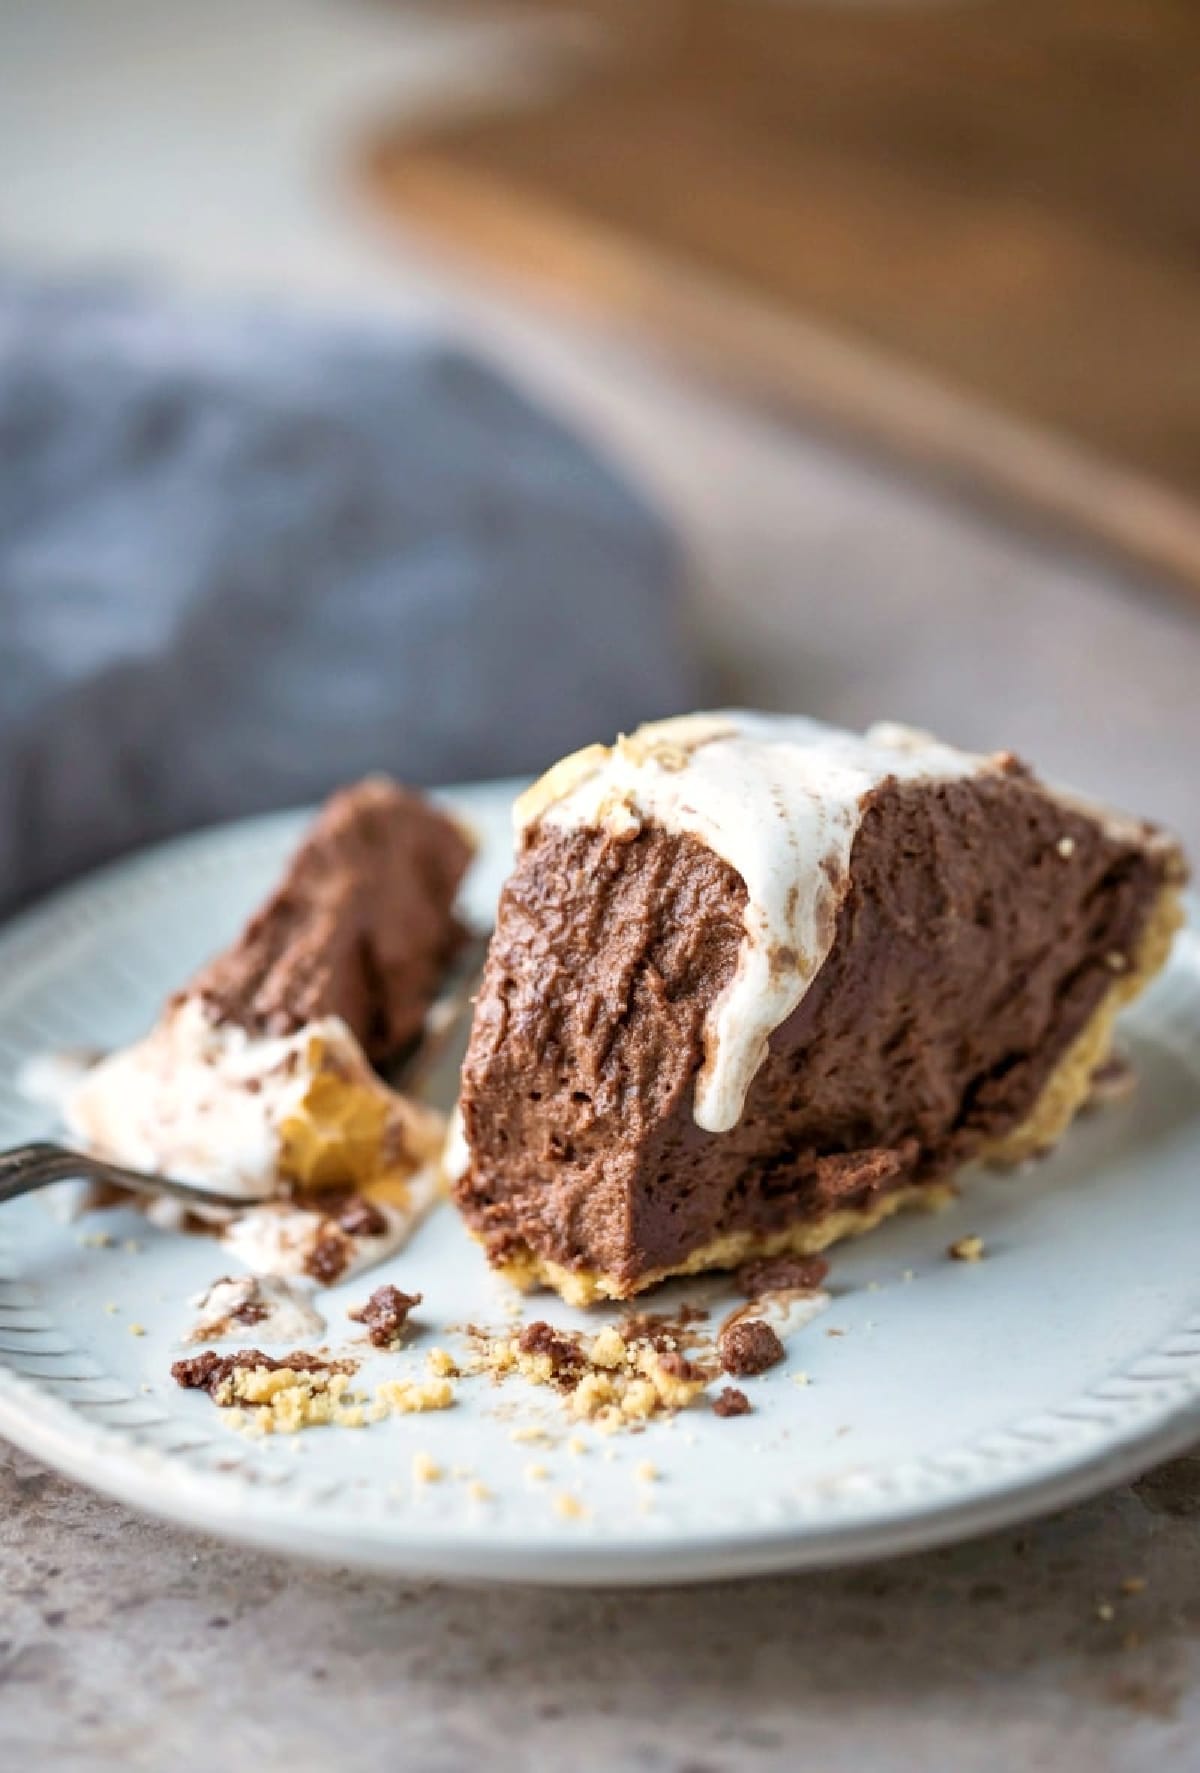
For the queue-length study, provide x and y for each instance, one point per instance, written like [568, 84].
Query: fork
[25, 1168]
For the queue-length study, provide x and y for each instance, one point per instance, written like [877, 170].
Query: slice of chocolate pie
[756, 984]
[258, 1078]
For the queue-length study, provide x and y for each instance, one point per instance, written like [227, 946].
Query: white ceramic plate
[956, 1397]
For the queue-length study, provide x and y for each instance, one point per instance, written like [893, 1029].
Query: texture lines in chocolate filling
[572, 1066]
[361, 927]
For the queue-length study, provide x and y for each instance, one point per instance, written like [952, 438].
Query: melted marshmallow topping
[210, 1104]
[780, 799]
[276, 1310]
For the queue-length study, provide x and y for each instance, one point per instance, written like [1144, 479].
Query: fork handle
[26, 1167]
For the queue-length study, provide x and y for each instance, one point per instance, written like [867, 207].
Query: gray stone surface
[128, 1645]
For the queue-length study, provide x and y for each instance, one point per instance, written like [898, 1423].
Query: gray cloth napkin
[246, 555]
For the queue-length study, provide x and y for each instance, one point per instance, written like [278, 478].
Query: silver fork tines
[25, 1168]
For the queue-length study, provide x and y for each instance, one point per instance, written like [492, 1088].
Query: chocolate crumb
[677, 1365]
[749, 1347]
[780, 1274]
[248, 1312]
[385, 1314]
[566, 1358]
[359, 1217]
[731, 1402]
[328, 1258]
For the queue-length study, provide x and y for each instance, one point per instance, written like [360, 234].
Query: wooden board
[969, 231]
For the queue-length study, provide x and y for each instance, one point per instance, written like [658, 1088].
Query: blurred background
[438, 386]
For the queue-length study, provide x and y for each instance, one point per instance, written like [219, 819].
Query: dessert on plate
[756, 984]
[259, 1077]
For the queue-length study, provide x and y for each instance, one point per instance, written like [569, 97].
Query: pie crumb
[404, 1397]
[967, 1249]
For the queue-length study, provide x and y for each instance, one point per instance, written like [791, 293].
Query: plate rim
[104, 1459]
[203, 1503]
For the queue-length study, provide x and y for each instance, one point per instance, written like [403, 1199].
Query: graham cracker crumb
[478, 1492]
[577, 1445]
[608, 1349]
[967, 1249]
[528, 1433]
[425, 1469]
[569, 1506]
[284, 1400]
[406, 1397]
[646, 1472]
[136, 1329]
[111, 1308]
[95, 1240]
[537, 1473]
[131, 1246]
[607, 1379]
[302, 1391]
[442, 1362]
[801, 1378]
